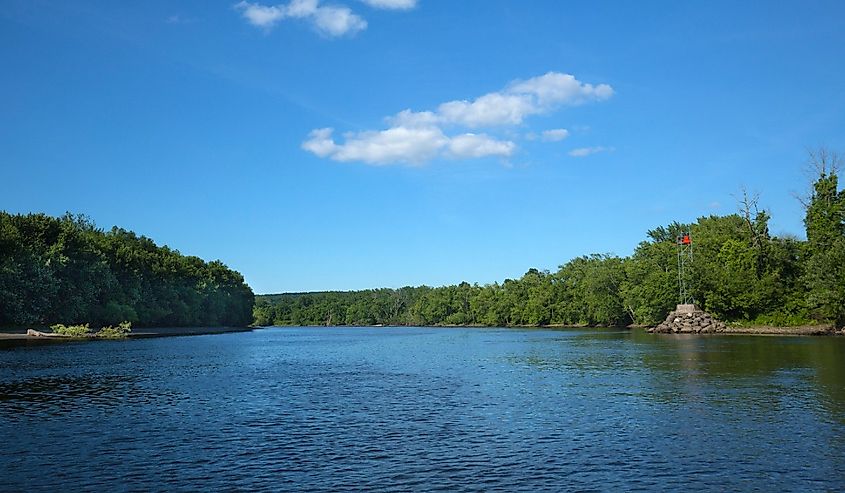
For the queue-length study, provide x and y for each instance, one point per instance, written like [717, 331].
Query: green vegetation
[118, 332]
[66, 270]
[739, 272]
[824, 273]
[108, 332]
[71, 331]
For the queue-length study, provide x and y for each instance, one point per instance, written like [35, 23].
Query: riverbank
[804, 330]
[144, 332]
[19, 334]
[767, 330]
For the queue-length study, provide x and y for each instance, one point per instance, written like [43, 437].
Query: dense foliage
[120, 331]
[739, 272]
[65, 270]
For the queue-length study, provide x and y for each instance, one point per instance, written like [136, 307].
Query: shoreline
[18, 334]
[762, 330]
[802, 330]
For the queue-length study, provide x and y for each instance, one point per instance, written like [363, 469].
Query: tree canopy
[66, 270]
[739, 272]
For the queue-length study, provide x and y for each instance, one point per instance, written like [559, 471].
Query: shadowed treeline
[65, 270]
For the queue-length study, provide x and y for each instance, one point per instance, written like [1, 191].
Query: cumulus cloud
[320, 142]
[396, 144]
[391, 4]
[337, 21]
[329, 20]
[488, 110]
[587, 151]
[475, 146]
[519, 100]
[409, 145]
[554, 89]
[555, 135]
[265, 16]
[414, 137]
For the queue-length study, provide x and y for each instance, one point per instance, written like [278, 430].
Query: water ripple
[423, 410]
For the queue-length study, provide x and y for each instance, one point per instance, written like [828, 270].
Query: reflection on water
[695, 367]
[423, 409]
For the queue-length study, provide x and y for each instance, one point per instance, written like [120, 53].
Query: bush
[777, 319]
[122, 330]
[119, 332]
[71, 331]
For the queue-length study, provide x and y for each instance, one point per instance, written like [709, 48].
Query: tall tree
[824, 274]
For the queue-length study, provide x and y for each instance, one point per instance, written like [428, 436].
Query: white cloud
[302, 8]
[414, 137]
[261, 15]
[476, 146]
[413, 118]
[337, 21]
[488, 110]
[586, 151]
[391, 4]
[409, 145]
[555, 135]
[521, 99]
[555, 88]
[396, 144]
[332, 21]
[320, 142]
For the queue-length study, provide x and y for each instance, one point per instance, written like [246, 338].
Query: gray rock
[689, 321]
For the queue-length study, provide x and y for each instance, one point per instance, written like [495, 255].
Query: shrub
[71, 331]
[122, 330]
[777, 319]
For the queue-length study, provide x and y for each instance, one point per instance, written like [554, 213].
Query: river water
[425, 409]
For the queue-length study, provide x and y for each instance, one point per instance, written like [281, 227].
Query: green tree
[66, 270]
[824, 273]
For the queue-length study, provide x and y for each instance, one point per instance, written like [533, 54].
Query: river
[425, 409]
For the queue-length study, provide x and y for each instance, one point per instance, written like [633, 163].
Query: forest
[65, 270]
[739, 272]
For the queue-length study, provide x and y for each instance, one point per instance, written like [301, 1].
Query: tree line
[66, 270]
[739, 272]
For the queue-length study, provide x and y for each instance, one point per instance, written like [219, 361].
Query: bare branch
[823, 161]
[747, 204]
[820, 162]
[801, 198]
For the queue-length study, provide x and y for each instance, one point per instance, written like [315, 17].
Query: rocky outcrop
[689, 319]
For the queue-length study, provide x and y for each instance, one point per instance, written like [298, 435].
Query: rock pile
[689, 319]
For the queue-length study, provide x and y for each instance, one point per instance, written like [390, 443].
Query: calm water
[399, 409]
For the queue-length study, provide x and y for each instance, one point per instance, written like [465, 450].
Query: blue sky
[355, 144]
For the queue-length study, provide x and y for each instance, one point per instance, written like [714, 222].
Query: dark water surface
[403, 409]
